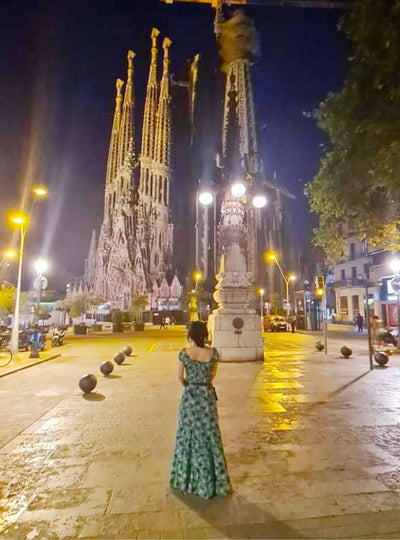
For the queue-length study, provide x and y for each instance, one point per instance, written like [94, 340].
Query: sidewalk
[311, 440]
[22, 361]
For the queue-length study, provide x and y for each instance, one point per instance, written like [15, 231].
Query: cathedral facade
[132, 257]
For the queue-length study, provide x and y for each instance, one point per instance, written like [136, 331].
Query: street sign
[395, 284]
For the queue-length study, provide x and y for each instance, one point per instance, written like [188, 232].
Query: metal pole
[197, 229]
[370, 350]
[287, 298]
[15, 328]
[262, 309]
[325, 322]
[215, 233]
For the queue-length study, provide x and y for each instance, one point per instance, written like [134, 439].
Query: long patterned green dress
[199, 465]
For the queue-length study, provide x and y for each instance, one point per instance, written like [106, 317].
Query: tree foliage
[358, 185]
[7, 291]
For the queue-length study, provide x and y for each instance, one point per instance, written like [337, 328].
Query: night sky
[59, 61]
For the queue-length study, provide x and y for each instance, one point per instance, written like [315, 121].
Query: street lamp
[8, 254]
[271, 257]
[259, 201]
[238, 189]
[18, 220]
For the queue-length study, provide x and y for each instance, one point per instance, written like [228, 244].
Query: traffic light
[319, 285]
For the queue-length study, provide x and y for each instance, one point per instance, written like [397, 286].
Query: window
[343, 306]
[354, 272]
[343, 274]
[366, 270]
[352, 251]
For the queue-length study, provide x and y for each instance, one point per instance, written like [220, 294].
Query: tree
[357, 188]
[7, 291]
[137, 307]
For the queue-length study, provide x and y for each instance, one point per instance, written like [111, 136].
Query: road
[311, 442]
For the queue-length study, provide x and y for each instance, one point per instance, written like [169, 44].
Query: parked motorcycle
[58, 337]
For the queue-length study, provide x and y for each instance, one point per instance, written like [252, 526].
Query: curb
[26, 366]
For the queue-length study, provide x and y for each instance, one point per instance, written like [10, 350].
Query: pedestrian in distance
[167, 321]
[360, 322]
[293, 321]
[199, 465]
[162, 323]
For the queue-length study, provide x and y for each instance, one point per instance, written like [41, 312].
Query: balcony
[349, 282]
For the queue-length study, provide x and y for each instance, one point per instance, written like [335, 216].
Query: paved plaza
[311, 440]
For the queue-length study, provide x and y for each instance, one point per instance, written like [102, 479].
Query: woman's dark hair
[198, 333]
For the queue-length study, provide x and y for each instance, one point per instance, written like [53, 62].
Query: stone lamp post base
[237, 335]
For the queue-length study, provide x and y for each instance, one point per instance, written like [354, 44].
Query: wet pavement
[311, 442]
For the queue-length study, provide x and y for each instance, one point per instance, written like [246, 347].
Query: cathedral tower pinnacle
[149, 119]
[126, 132]
[112, 162]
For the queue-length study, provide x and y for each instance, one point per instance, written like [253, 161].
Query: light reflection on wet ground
[277, 388]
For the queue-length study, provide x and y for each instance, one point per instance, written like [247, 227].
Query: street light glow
[270, 256]
[262, 292]
[41, 266]
[292, 277]
[238, 189]
[259, 201]
[17, 218]
[10, 254]
[198, 275]
[395, 265]
[206, 198]
[40, 191]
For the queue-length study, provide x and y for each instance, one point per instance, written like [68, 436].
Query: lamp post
[20, 221]
[395, 267]
[205, 197]
[272, 258]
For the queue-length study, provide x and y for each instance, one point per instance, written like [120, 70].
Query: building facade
[366, 273]
[133, 256]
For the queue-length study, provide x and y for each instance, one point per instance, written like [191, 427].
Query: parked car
[275, 323]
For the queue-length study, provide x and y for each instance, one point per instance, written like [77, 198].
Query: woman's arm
[181, 372]
[214, 370]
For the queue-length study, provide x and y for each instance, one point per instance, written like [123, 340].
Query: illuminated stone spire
[163, 122]
[149, 119]
[126, 132]
[112, 162]
[162, 230]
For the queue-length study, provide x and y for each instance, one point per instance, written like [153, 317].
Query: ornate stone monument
[235, 327]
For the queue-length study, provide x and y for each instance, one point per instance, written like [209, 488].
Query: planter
[138, 327]
[80, 329]
[118, 328]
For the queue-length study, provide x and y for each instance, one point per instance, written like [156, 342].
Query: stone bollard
[87, 383]
[346, 351]
[319, 346]
[381, 358]
[106, 367]
[119, 358]
[127, 350]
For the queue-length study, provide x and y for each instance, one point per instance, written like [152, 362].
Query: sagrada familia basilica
[132, 257]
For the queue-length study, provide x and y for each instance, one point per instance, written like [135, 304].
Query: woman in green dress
[199, 465]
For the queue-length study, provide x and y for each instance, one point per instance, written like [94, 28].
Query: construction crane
[322, 4]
